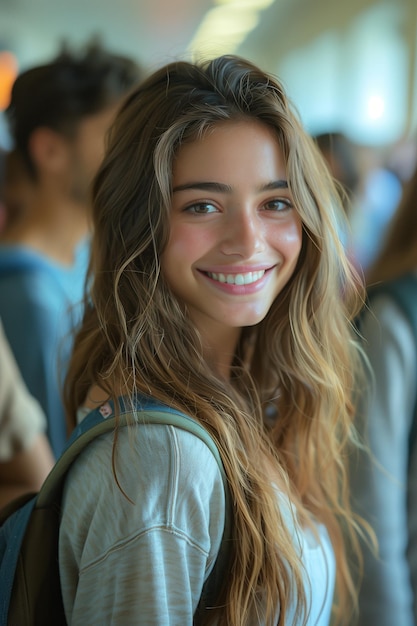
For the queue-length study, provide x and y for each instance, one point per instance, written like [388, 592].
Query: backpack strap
[100, 421]
[145, 411]
[403, 291]
[13, 529]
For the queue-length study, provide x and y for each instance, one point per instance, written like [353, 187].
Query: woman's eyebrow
[223, 188]
[204, 186]
[275, 184]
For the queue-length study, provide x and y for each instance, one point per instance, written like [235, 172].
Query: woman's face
[235, 235]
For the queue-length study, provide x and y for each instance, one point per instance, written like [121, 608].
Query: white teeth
[237, 279]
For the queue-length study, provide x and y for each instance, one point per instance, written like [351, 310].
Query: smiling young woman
[235, 235]
[215, 288]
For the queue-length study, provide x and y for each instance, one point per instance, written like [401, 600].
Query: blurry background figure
[341, 158]
[372, 182]
[384, 487]
[25, 455]
[3, 215]
[59, 114]
[377, 200]
[398, 255]
[16, 189]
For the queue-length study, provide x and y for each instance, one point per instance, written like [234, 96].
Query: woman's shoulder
[144, 436]
[150, 457]
[155, 478]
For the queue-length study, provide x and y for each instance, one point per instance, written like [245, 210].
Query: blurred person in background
[16, 189]
[3, 216]
[371, 188]
[377, 199]
[340, 156]
[59, 114]
[384, 480]
[25, 455]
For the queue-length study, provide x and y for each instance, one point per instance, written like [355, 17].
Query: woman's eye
[279, 204]
[201, 208]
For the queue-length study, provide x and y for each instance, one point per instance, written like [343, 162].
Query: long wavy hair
[398, 254]
[289, 396]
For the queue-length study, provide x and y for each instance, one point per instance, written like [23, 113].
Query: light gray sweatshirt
[145, 563]
[385, 480]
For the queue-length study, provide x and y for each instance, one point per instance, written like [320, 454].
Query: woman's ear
[48, 150]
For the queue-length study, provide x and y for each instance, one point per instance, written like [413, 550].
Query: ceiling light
[226, 25]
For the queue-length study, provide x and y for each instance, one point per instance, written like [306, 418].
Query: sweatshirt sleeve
[142, 556]
[379, 479]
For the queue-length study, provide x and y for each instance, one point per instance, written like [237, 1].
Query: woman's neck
[220, 347]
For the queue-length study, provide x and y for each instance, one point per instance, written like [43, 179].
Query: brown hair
[61, 93]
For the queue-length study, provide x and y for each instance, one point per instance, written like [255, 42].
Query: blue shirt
[40, 305]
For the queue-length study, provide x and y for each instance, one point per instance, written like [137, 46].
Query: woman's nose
[243, 235]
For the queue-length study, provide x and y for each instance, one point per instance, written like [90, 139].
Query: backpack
[403, 291]
[29, 531]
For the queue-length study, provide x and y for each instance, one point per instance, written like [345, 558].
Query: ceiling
[156, 31]
[151, 31]
[330, 71]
